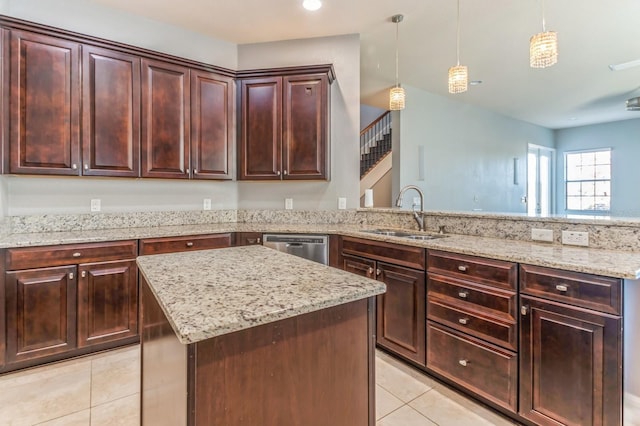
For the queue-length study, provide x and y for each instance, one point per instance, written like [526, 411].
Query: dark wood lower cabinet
[107, 302]
[41, 312]
[571, 365]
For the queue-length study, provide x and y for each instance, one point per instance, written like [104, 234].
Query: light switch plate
[542, 235]
[342, 203]
[575, 238]
[206, 204]
[288, 203]
[95, 205]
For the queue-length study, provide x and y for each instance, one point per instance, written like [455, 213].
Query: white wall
[20, 195]
[623, 138]
[344, 53]
[468, 154]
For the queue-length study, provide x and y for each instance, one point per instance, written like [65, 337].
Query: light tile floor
[406, 397]
[103, 389]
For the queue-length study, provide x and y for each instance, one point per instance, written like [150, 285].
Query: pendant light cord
[458, 37]
[397, 26]
[544, 27]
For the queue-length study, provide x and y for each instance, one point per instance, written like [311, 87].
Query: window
[588, 180]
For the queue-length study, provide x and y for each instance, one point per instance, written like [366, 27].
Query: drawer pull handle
[563, 288]
[77, 254]
[370, 271]
[190, 244]
[463, 268]
[463, 321]
[463, 362]
[463, 294]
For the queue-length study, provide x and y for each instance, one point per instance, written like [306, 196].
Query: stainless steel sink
[405, 234]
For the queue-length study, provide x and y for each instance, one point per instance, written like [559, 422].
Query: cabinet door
[4, 100]
[305, 127]
[45, 105]
[259, 150]
[211, 125]
[110, 113]
[107, 302]
[401, 312]
[570, 365]
[165, 120]
[41, 312]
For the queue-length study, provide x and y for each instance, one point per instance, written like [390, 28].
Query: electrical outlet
[288, 203]
[342, 203]
[206, 204]
[95, 205]
[575, 238]
[542, 235]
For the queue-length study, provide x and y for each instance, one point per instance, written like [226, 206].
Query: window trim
[566, 181]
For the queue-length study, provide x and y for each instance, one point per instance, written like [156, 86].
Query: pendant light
[396, 95]
[543, 47]
[458, 75]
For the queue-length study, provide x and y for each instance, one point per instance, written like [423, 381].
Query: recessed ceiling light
[624, 65]
[475, 82]
[312, 4]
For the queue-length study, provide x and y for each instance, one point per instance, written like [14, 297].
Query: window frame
[567, 181]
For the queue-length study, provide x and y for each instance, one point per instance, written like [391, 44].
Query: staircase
[375, 143]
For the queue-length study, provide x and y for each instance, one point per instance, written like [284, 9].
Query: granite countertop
[618, 264]
[213, 292]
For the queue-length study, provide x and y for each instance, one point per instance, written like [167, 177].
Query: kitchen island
[252, 336]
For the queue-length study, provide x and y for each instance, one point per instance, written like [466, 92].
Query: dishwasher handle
[294, 245]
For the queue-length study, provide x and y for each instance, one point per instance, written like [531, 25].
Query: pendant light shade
[543, 47]
[459, 74]
[396, 94]
[396, 98]
[458, 79]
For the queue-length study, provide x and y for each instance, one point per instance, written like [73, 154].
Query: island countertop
[213, 292]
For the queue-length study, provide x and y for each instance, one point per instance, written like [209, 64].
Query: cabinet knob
[524, 310]
[188, 171]
[86, 167]
[278, 173]
[463, 321]
[370, 271]
[195, 171]
[378, 272]
[285, 172]
[463, 268]
[190, 244]
[259, 240]
[563, 288]
[71, 275]
[74, 166]
[463, 362]
[76, 254]
[463, 294]
[83, 274]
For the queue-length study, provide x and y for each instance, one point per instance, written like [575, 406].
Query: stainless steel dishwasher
[312, 247]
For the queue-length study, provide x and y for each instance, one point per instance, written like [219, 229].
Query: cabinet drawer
[187, 243]
[248, 238]
[487, 271]
[359, 266]
[412, 257]
[483, 298]
[590, 291]
[493, 329]
[484, 369]
[40, 257]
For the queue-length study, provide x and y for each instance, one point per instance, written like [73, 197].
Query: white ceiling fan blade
[624, 65]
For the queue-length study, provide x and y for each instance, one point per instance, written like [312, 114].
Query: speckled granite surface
[213, 292]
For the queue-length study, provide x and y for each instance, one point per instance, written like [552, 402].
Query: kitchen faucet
[418, 217]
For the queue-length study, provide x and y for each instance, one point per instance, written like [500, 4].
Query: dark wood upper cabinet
[305, 127]
[111, 113]
[44, 105]
[165, 120]
[4, 98]
[259, 150]
[284, 124]
[212, 103]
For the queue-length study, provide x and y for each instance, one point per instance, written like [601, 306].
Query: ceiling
[579, 90]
